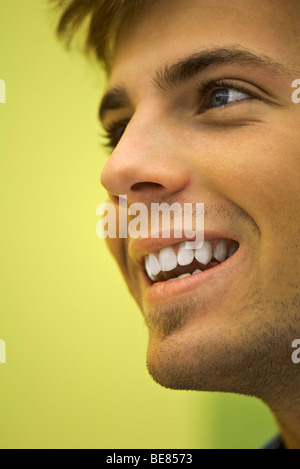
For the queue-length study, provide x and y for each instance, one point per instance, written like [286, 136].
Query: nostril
[146, 185]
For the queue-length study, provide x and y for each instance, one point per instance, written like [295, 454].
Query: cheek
[117, 248]
[257, 169]
[261, 175]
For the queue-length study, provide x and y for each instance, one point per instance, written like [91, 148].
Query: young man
[200, 108]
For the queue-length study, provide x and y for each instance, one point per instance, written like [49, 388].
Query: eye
[217, 94]
[114, 133]
[225, 96]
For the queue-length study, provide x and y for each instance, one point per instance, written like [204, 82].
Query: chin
[217, 362]
[173, 363]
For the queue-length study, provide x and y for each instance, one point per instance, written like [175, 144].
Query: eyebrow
[171, 76]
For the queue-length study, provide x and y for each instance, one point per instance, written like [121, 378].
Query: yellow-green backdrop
[75, 375]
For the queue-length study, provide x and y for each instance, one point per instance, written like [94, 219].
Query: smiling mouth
[177, 262]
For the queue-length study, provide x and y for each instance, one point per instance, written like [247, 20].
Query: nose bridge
[146, 162]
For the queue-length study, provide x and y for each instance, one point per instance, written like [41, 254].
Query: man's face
[220, 129]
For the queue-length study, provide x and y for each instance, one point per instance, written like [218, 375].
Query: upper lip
[139, 248]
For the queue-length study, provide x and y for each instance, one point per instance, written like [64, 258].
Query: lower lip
[208, 280]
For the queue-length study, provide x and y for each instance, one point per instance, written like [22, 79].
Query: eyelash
[208, 86]
[110, 133]
[204, 91]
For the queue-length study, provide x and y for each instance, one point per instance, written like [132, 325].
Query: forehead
[168, 29]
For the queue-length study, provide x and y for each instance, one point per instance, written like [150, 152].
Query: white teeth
[148, 269]
[183, 275]
[167, 259]
[179, 277]
[220, 252]
[154, 264]
[204, 254]
[185, 256]
[233, 249]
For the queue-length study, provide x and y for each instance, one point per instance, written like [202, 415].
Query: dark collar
[276, 443]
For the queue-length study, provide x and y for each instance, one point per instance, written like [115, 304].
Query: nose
[145, 166]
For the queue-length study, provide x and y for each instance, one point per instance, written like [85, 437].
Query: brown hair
[104, 19]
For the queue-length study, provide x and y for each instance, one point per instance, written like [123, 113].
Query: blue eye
[224, 96]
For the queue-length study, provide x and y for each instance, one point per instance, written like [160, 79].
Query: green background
[75, 375]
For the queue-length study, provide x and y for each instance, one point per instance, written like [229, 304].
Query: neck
[287, 413]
